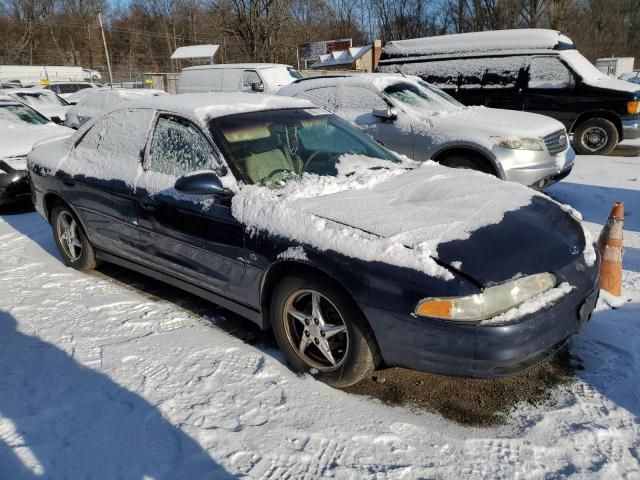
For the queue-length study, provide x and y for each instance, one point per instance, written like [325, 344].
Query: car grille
[556, 142]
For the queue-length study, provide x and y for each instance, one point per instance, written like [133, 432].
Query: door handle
[69, 182]
[148, 204]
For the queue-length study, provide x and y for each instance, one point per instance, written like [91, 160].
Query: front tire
[321, 331]
[596, 136]
[72, 243]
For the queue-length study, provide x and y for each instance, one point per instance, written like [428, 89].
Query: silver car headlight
[516, 143]
[491, 302]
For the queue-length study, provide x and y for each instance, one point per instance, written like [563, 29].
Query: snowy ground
[100, 380]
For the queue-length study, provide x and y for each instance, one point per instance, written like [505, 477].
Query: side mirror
[57, 120]
[204, 183]
[257, 87]
[384, 113]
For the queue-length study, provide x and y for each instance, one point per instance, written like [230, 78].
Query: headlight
[519, 143]
[491, 302]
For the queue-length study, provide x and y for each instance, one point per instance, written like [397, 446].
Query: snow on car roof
[379, 80]
[208, 105]
[525, 39]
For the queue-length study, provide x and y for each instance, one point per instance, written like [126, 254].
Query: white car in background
[413, 118]
[44, 101]
[66, 89]
[21, 127]
[103, 101]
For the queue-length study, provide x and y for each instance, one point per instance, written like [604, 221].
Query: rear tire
[72, 243]
[467, 162]
[596, 136]
[342, 329]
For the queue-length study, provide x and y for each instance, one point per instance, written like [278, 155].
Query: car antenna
[400, 71]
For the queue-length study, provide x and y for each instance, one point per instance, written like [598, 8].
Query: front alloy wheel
[316, 330]
[321, 330]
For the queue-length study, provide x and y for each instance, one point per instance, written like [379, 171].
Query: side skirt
[251, 314]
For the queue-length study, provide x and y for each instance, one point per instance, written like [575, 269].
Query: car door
[550, 89]
[98, 177]
[192, 237]
[359, 105]
[502, 82]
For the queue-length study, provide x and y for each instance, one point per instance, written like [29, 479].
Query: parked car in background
[65, 89]
[422, 122]
[534, 70]
[633, 77]
[290, 216]
[20, 128]
[236, 77]
[78, 96]
[44, 101]
[103, 101]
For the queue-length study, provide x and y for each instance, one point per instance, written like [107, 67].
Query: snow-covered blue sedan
[286, 214]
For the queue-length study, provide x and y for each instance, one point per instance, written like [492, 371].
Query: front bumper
[631, 129]
[14, 187]
[537, 169]
[447, 348]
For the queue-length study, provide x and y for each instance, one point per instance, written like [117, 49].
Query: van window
[495, 72]
[549, 72]
[249, 77]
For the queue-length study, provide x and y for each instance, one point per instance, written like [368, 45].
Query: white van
[237, 77]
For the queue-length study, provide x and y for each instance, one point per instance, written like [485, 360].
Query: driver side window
[178, 148]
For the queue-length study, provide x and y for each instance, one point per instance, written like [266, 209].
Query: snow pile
[293, 253]
[539, 302]
[389, 215]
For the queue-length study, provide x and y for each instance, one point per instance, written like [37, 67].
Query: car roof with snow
[365, 80]
[237, 65]
[478, 43]
[209, 105]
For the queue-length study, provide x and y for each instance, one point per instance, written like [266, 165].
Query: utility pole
[106, 51]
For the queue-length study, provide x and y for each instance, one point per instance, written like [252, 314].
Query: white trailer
[615, 66]
[41, 75]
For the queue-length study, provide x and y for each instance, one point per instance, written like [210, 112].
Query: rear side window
[178, 148]
[111, 148]
[549, 72]
[324, 97]
[359, 98]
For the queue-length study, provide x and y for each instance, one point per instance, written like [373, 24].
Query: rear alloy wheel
[470, 162]
[596, 136]
[321, 331]
[70, 239]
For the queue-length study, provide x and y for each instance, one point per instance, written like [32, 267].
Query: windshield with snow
[39, 99]
[21, 114]
[270, 147]
[422, 96]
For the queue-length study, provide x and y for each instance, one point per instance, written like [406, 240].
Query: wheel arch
[606, 114]
[283, 268]
[486, 156]
[49, 199]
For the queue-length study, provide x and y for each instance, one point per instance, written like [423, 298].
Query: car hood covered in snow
[486, 122]
[489, 229]
[17, 138]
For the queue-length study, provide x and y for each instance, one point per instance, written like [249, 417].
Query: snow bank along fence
[610, 246]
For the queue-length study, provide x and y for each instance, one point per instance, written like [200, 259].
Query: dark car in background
[293, 218]
[534, 70]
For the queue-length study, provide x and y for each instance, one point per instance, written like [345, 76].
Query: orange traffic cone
[610, 246]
